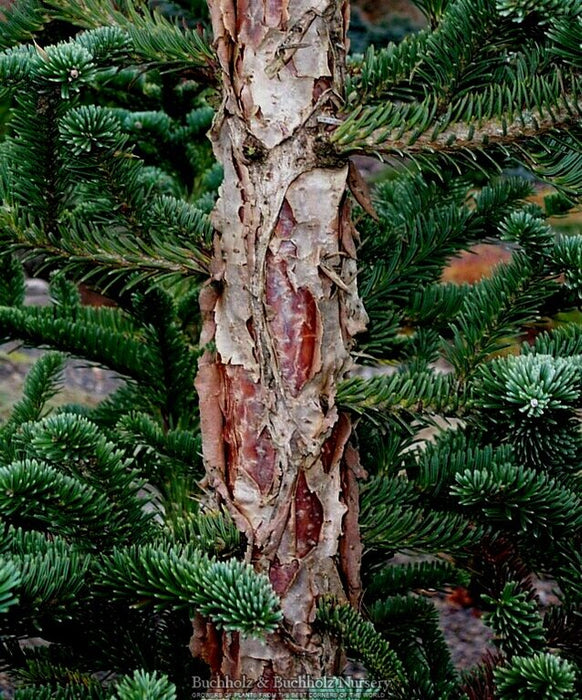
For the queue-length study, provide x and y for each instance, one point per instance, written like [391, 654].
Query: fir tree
[248, 529]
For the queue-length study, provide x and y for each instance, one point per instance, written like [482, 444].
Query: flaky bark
[280, 314]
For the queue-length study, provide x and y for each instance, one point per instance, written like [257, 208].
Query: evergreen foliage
[108, 547]
[360, 636]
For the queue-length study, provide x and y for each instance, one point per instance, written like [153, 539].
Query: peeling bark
[281, 310]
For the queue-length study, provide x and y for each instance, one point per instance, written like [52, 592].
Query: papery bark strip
[281, 311]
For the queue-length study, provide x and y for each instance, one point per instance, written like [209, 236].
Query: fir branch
[419, 246]
[88, 336]
[107, 45]
[499, 199]
[42, 384]
[478, 682]
[84, 251]
[544, 675]
[154, 38]
[466, 91]
[437, 303]
[12, 289]
[421, 226]
[567, 259]
[494, 310]
[410, 132]
[432, 9]
[38, 179]
[52, 584]
[145, 686]
[564, 341]
[173, 369]
[530, 232]
[385, 73]
[563, 626]
[557, 158]
[520, 499]
[413, 530]
[360, 636]
[553, 443]
[9, 581]
[411, 624]
[566, 36]
[516, 621]
[460, 44]
[521, 10]
[230, 593]
[169, 460]
[173, 452]
[19, 542]
[40, 670]
[16, 68]
[531, 402]
[396, 579]
[437, 464]
[38, 493]
[517, 389]
[127, 399]
[69, 65]
[389, 522]
[212, 531]
[78, 449]
[65, 295]
[21, 21]
[569, 572]
[388, 398]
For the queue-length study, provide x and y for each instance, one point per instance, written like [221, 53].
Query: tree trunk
[279, 316]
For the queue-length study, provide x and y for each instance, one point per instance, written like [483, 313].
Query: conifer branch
[500, 305]
[438, 463]
[411, 624]
[543, 674]
[143, 684]
[392, 520]
[523, 500]
[154, 38]
[90, 256]
[51, 582]
[384, 397]
[42, 383]
[9, 581]
[359, 635]
[395, 579]
[505, 131]
[230, 593]
[516, 621]
[83, 336]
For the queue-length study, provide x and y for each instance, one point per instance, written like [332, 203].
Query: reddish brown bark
[281, 312]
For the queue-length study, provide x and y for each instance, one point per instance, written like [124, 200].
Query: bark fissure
[279, 317]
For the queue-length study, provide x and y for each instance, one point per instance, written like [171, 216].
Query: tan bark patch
[286, 309]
